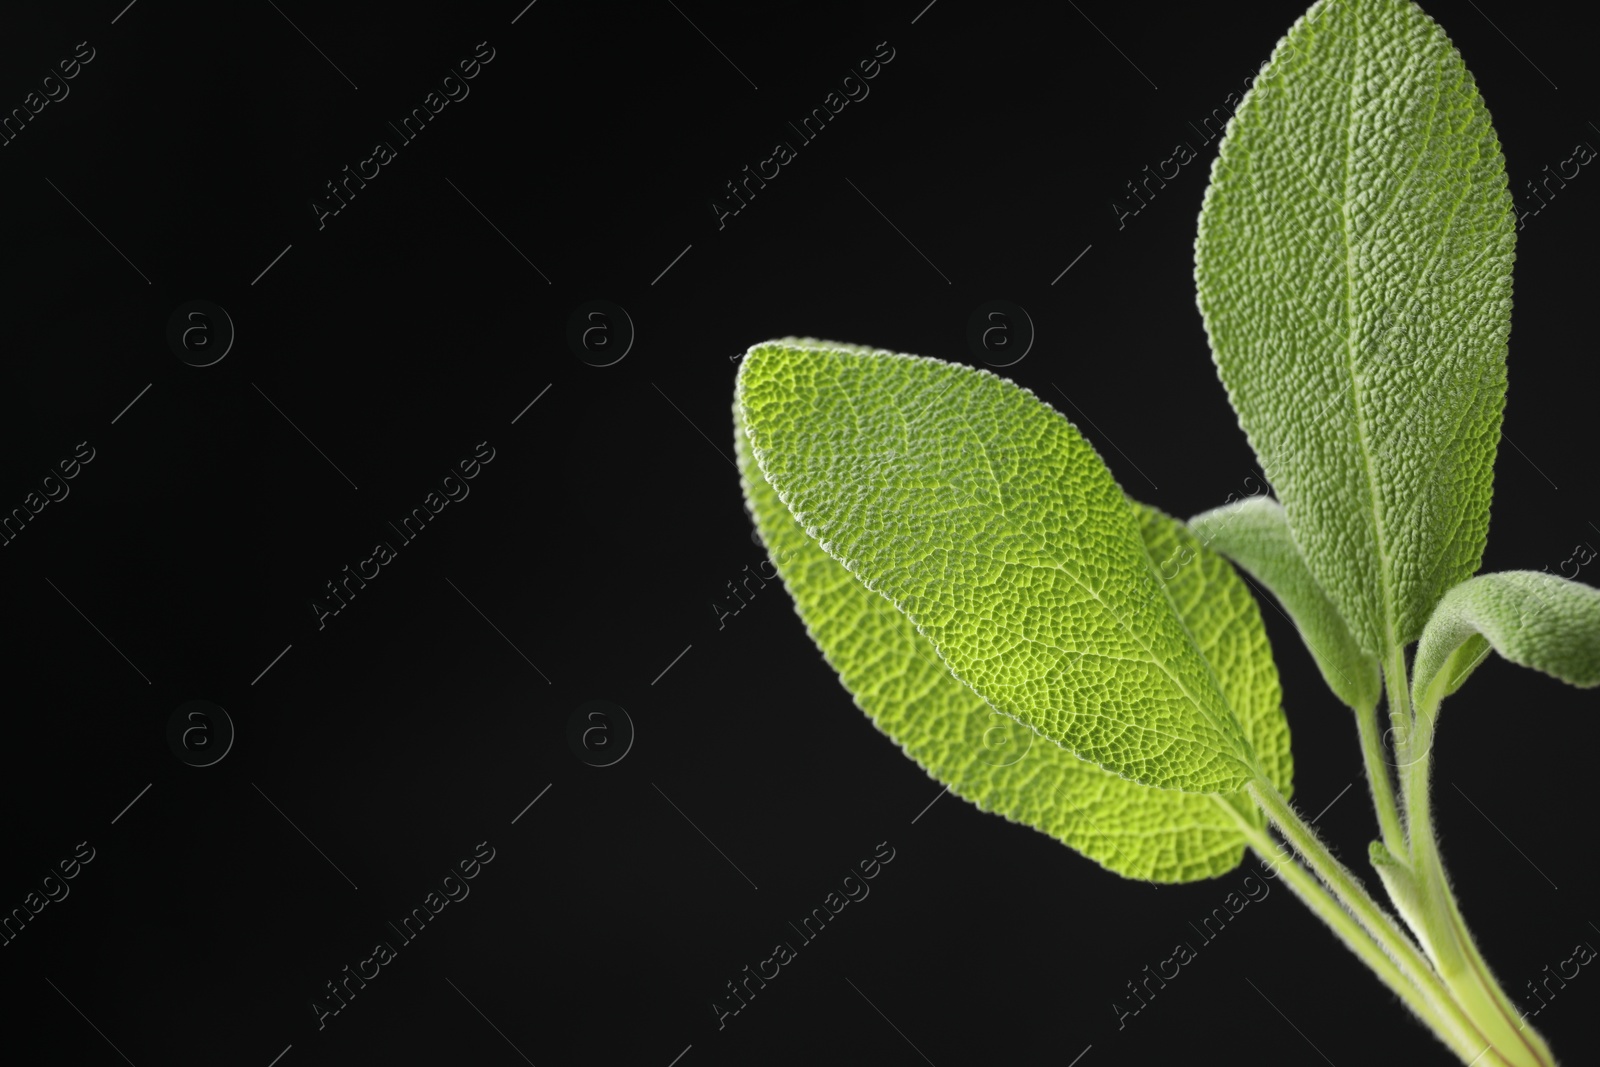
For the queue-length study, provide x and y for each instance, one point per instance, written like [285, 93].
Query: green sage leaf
[1532, 619]
[1001, 766]
[983, 515]
[1254, 534]
[1354, 273]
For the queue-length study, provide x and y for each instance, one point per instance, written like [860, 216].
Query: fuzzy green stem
[1341, 881]
[1432, 1004]
[1382, 927]
[1438, 922]
[1379, 782]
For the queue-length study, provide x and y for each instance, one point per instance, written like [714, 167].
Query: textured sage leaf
[1218, 610]
[983, 515]
[1533, 619]
[1254, 534]
[1354, 272]
[999, 765]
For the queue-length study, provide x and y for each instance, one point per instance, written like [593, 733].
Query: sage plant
[968, 565]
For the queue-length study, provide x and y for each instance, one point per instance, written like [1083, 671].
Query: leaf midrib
[1381, 542]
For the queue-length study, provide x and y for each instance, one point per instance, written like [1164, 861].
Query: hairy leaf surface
[1533, 619]
[1254, 533]
[1354, 273]
[982, 514]
[1001, 766]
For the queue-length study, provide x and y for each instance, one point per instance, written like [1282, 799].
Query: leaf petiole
[1430, 1001]
[1379, 782]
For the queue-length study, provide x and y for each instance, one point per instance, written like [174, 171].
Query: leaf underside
[897, 678]
[986, 518]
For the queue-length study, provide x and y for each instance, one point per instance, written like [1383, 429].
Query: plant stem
[1344, 884]
[1442, 930]
[1379, 782]
[1432, 1006]
[1476, 1016]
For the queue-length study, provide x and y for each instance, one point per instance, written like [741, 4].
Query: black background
[408, 729]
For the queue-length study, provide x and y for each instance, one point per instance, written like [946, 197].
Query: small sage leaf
[1254, 534]
[1532, 619]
